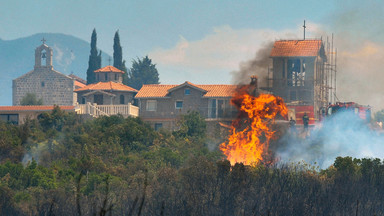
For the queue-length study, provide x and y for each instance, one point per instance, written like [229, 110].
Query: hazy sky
[204, 41]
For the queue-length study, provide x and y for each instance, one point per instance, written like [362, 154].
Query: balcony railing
[107, 110]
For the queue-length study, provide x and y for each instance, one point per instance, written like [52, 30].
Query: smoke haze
[343, 134]
[256, 66]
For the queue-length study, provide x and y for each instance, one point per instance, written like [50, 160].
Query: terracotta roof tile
[79, 84]
[154, 90]
[159, 91]
[296, 48]
[109, 68]
[33, 108]
[113, 86]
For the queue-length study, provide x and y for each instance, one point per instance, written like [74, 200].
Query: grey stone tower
[43, 81]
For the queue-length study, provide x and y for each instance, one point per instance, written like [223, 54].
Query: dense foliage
[62, 165]
[94, 61]
[143, 71]
[31, 99]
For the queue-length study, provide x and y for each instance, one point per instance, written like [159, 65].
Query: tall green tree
[142, 72]
[118, 57]
[94, 61]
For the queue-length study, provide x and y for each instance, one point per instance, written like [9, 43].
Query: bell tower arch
[43, 56]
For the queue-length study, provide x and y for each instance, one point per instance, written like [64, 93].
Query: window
[11, 118]
[296, 72]
[158, 126]
[212, 108]
[115, 76]
[187, 91]
[98, 99]
[122, 99]
[106, 76]
[179, 104]
[151, 105]
[83, 100]
[42, 84]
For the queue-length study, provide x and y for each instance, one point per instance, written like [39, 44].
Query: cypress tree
[94, 62]
[118, 57]
[117, 51]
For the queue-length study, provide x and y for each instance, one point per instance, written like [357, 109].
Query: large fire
[251, 132]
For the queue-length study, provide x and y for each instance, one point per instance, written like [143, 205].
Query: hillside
[17, 58]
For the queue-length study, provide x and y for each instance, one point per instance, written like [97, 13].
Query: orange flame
[251, 131]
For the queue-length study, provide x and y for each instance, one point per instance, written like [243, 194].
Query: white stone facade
[46, 83]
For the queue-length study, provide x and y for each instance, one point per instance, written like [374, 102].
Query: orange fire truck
[364, 112]
[296, 112]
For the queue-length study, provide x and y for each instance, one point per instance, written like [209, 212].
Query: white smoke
[343, 134]
[63, 58]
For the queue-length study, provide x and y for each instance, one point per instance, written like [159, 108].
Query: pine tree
[118, 57]
[142, 72]
[94, 62]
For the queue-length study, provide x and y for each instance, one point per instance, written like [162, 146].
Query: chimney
[253, 88]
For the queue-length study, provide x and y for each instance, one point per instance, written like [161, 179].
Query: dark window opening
[296, 72]
[220, 108]
[83, 100]
[98, 99]
[106, 76]
[11, 118]
[179, 104]
[43, 58]
[42, 84]
[115, 76]
[122, 99]
[187, 91]
[158, 126]
[213, 109]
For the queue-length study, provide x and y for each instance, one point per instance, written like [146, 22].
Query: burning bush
[251, 132]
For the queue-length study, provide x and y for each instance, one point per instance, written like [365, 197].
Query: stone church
[46, 83]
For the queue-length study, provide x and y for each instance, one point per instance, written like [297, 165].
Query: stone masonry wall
[50, 85]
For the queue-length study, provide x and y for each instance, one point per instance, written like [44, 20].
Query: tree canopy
[142, 72]
[118, 57]
[31, 99]
[94, 61]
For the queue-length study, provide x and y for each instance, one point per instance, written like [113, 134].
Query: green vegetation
[31, 99]
[142, 72]
[59, 165]
[118, 57]
[94, 62]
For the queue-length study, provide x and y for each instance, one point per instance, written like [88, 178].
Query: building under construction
[304, 75]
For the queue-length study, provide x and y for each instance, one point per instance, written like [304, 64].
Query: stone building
[108, 90]
[300, 77]
[46, 83]
[162, 105]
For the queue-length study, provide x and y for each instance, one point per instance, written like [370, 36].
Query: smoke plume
[256, 66]
[343, 134]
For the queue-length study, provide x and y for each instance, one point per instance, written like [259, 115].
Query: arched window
[122, 99]
[43, 58]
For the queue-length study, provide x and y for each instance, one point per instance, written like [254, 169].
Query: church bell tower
[43, 56]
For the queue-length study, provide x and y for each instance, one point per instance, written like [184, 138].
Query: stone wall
[50, 85]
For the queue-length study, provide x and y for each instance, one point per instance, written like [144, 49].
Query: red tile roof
[159, 91]
[33, 108]
[293, 48]
[112, 86]
[109, 68]
[79, 84]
